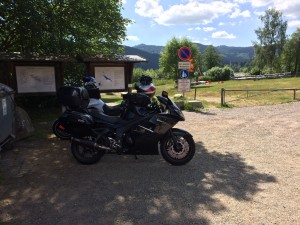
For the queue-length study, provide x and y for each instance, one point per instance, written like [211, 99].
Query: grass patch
[213, 91]
[112, 98]
[210, 95]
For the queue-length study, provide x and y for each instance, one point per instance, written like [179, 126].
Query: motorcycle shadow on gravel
[122, 190]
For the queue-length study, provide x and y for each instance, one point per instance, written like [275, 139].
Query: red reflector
[61, 127]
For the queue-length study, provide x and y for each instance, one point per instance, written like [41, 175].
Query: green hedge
[218, 74]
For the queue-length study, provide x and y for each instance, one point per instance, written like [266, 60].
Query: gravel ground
[246, 171]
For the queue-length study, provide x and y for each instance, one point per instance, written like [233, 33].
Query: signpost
[186, 65]
[184, 53]
[184, 74]
[184, 84]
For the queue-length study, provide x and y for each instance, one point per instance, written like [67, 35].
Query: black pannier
[76, 123]
[73, 97]
[137, 99]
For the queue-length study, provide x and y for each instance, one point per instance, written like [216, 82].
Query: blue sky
[223, 22]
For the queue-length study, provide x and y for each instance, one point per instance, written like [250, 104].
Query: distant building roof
[32, 57]
[117, 58]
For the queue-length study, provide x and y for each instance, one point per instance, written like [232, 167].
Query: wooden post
[222, 97]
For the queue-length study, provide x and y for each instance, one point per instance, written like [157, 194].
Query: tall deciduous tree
[290, 58]
[62, 26]
[272, 37]
[169, 59]
[211, 57]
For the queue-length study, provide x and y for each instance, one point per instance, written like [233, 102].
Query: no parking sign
[184, 53]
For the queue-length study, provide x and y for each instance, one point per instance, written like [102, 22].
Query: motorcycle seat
[112, 110]
[101, 117]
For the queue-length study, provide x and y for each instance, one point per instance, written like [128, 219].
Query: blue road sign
[184, 53]
[184, 74]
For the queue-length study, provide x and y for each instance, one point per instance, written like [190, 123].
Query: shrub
[255, 71]
[205, 78]
[227, 73]
[219, 74]
[155, 74]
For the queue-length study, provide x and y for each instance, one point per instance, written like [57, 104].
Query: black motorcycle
[143, 128]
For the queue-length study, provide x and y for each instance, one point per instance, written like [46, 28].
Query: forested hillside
[152, 54]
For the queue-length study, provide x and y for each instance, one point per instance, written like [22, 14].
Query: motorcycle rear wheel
[183, 155]
[59, 131]
[85, 154]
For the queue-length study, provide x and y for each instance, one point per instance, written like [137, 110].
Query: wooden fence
[223, 92]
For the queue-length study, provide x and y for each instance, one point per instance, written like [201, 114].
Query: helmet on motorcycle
[145, 80]
[146, 89]
[89, 79]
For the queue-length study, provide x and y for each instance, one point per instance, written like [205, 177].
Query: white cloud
[223, 35]
[241, 1]
[237, 12]
[193, 12]
[289, 8]
[228, 24]
[260, 3]
[196, 28]
[207, 29]
[132, 38]
[294, 23]
[246, 13]
[148, 8]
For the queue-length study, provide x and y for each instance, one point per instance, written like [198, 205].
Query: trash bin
[7, 111]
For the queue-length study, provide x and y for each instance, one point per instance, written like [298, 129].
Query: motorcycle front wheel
[181, 155]
[85, 154]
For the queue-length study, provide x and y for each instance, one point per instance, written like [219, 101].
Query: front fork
[176, 145]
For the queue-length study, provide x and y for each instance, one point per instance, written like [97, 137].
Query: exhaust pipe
[91, 144]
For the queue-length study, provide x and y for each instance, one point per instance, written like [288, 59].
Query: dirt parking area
[246, 171]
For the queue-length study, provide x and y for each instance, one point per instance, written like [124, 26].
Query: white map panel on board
[110, 78]
[35, 79]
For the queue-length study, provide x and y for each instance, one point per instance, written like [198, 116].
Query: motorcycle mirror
[164, 94]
